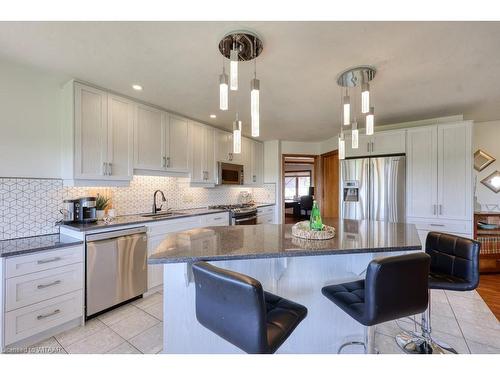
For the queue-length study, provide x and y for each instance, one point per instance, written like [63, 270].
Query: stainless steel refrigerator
[373, 188]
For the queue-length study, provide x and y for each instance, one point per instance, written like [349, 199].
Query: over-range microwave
[230, 174]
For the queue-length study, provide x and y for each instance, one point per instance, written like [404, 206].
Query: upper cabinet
[381, 143]
[439, 173]
[161, 141]
[202, 154]
[97, 137]
[149, 136]
[108, 138]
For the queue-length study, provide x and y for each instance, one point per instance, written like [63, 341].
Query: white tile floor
[461, 319]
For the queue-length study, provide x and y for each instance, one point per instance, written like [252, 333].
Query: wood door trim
[321, 175]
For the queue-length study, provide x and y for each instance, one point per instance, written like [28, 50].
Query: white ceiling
[424, 69]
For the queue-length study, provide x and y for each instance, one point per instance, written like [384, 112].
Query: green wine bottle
[315, 222]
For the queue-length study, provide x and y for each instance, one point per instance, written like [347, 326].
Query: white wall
[487, 138]
[30, 106]
[302, 148]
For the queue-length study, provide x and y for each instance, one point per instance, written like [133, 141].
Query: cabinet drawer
[30, 320]
[26, 264]
[218, 219]
[39, 286]
[265, 219]
[437, 225]
[265, 210]
[173, 225]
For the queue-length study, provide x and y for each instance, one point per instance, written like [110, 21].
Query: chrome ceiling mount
[248, 45]
[356, 76]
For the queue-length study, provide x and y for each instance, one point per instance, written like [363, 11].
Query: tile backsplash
[30, 207]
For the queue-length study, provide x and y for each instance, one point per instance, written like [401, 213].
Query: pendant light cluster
[350, 81]
[240, 46]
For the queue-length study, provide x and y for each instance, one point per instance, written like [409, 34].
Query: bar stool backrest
[396, 286]
[232, 306]
[455, 256]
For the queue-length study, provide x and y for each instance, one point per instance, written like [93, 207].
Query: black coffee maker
[85, 210]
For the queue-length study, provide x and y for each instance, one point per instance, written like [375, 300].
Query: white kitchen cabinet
[439, 177]
[265, 215]
[455, 171]
[202, 154]
[120, 138]
[97, 137]
[421, 172]
[258, 163]
[40, 293]
[381, 143]
[177, 152]
[224, 146]
[149, 137]
[246, 153]
[90, 132]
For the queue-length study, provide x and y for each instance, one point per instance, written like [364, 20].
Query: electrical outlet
[187, 198]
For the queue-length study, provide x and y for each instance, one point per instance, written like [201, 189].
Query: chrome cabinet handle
[373, 146]
[164, 162]
[168, 162]
[40, 317]
[104, 169]
[437, 225]
[43, 261]
[368, 147]
[254, 178]
[43, 286]
[440, 209]
[433, 209]
[110, 169]
[217, 218]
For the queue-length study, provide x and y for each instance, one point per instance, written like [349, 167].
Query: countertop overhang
[276, 241]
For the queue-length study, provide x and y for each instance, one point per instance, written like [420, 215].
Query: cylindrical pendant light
[355, 135]
[223, 91]
[370, 121]
[365, 98]
[233, 73]
[254, 106]
[347, 109]
[341, 146]
[237, 135]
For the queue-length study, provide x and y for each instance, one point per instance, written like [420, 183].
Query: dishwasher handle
[115, 234]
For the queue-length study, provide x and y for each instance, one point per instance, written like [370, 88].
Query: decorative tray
[302, 230]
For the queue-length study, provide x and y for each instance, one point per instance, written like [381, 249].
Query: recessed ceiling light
[137, 87]
[213, 116]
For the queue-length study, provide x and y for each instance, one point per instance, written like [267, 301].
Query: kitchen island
[289, 267]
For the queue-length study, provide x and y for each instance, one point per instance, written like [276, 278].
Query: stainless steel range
[239, 214]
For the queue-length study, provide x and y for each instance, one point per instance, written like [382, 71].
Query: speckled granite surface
[138, 219]
[276, 240]
[26, 245]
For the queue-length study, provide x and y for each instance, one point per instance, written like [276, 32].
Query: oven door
[246, 220]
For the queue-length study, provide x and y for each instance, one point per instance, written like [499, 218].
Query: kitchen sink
[162, 214]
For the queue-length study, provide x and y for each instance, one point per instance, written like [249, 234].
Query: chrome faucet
[155, 208]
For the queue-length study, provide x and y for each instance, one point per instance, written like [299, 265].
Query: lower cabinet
[265, 215]
[157, 234]
[41, 291]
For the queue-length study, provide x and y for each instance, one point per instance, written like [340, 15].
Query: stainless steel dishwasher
[116, 268]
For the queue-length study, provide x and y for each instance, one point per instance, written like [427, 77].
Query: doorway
[299, 181]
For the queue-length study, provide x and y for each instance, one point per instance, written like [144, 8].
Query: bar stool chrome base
[368, 344]
[412, 343]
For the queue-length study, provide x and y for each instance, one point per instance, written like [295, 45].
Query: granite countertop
[276, 240]
[138, 219]
[26, 245]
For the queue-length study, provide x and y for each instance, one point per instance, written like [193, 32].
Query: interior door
[454, 171]
[421, 172]
[120, 137]
[178, 144]
[149, 139]
[90, 132]
[330, 184]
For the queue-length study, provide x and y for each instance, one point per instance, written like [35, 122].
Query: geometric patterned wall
[31, 207]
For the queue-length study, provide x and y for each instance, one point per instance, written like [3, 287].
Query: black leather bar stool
[454, 266]
[394, 287]
[235, 307]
